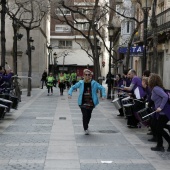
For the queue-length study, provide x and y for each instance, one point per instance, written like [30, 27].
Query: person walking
[61, 83]
[67, 79]
[50, 80]
[73, 78]
[44, 79]
[162, 109]
[87, 99]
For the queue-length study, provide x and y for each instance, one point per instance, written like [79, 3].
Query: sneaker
[158, 148]
[48, 94]
[86, 132]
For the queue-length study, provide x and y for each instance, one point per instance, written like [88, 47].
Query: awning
[74, 57]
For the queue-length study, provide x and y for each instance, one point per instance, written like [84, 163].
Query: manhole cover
[62, 118]
[107, 131]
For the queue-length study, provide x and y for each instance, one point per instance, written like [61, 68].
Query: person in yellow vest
[73, 77]
[67, 77]
[61, 81]
[50, 81]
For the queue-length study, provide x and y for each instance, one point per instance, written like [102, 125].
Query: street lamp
[55, 62]
[146, 6]
[111, 32]
[49, 53]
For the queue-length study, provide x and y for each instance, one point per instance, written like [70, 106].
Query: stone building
[40, 35]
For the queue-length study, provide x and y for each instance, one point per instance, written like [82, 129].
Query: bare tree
[90, 15]
[28, 14]
[3, 40]
[155, 37]
[126, 14]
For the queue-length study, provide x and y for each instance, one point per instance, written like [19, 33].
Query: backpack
[168, 93]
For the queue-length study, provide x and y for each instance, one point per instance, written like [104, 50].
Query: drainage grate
[107, 131]
[62, 118]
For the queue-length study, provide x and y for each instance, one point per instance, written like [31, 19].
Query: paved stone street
[46, 133]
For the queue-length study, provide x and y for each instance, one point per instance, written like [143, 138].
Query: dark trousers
[74, 82]
[86, 115]
[61, 86]
[153, 124]
[50, 88]
[43, 83]
[161, 124]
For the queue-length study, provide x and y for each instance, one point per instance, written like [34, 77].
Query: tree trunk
[3, 40]
[155, 38]
[128, 56]
[15, 48]
[29, 63]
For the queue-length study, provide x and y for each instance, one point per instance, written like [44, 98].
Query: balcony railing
[163, 22]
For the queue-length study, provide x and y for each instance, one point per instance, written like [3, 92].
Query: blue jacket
[95, 86]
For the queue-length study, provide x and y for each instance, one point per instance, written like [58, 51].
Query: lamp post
[111, 32]
[146, 5]
[17, 37]
[29, 50]
[55, 62]
[49, 53]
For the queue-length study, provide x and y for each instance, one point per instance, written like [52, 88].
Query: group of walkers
[64, 80]
[145, 101]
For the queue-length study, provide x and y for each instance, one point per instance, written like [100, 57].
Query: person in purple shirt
[5, 77]
[138, 93]
[119, 83]
[162, 109]
[126, 79]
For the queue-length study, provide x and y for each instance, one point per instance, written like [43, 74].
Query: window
[62, 28]
[84, 26]
[65, 44]
[128, 27]
[82, 11]
[61, 11]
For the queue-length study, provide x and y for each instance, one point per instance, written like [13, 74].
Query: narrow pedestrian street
[46, 133]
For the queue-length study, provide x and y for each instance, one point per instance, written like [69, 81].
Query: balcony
[163, 20]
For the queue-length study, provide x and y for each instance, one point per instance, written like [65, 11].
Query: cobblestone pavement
[46, 133]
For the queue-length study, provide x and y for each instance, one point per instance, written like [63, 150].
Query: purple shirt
[138, 89]
[160, 99]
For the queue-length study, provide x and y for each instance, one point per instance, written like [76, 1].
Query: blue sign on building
[133, 50]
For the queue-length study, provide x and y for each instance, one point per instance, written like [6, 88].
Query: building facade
[41, 37]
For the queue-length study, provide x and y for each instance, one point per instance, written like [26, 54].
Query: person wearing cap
[87, 99]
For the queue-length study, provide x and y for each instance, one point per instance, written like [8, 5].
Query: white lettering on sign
[139, 49]
[133, 49]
